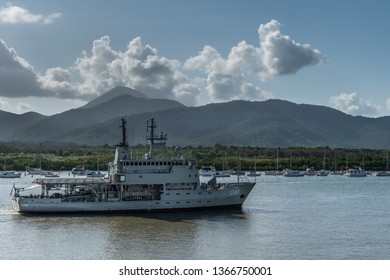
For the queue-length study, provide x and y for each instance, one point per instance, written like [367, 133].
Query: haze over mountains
[271, 123]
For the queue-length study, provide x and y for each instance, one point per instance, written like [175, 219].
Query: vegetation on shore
[51, 156]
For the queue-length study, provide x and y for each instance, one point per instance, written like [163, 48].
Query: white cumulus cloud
[351, 103]
[16, 14]
[139, 67]
[276, 55]
[280, 55]
[58, 82]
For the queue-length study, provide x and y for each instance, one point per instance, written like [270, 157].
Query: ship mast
[124, 136]
[121, 151]
[153, 138]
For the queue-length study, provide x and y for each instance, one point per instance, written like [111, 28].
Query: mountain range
[270, 123]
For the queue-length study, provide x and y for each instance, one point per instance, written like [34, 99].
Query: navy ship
[154, 183]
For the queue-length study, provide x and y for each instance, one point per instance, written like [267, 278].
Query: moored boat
[292, 173]
[52, 174]
[37, 171]
[383, 173]
[310, 172]
[78, 171]
[322, 172]
[274, 173]
[154, 183]
[95, 174]
[208, 171]
[223, 173]
[358, 173]
[252, 174]
[10, 174]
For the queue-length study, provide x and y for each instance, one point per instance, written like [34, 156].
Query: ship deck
[70, 181]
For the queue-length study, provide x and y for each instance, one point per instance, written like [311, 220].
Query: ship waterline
[225, 195]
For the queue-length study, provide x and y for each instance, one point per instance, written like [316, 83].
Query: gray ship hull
[232, 195]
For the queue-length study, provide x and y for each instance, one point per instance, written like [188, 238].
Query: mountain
[271, 123]
[115, 92]
[113, 104]
[10, 123]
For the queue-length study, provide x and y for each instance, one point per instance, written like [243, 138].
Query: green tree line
[51, 156]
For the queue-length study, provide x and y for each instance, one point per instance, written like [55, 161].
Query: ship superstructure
[154, 183]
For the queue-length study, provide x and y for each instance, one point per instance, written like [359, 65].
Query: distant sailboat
[277, 172]
[9, 174]
[335, 172]
[225, 170]
[387, 172]
[253, 173]
[323, 171]
[96, 173]
[38, 171]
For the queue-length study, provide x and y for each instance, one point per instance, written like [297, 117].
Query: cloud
[21, 107]
[276, 55]
[351, 103]
[281, 55]
[17, 76]
[4, 105]
[24, 107]
[58, 82]
[139, 67]
[19, 79]
[16, 15]
[203, 78]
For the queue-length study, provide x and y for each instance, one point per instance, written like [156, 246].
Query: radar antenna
[153, 138]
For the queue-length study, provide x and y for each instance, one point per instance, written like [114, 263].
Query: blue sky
[57, 55]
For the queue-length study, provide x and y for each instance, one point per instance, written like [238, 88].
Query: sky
[57, 55]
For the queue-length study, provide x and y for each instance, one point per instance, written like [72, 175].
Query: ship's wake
[7, 210]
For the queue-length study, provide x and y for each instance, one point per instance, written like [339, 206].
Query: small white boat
[252, 174]
[52, 174]
[95, 174]
[10, 174]
[357, 173]
[383, 173]
[338, 173]
[292, 173]
[224, 173]
[322, 172]
[273, 173]
[37, 171]
[207, 171]
[310, 172]
[78, 171]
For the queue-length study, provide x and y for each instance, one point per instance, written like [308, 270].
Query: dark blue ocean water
[333, 217]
